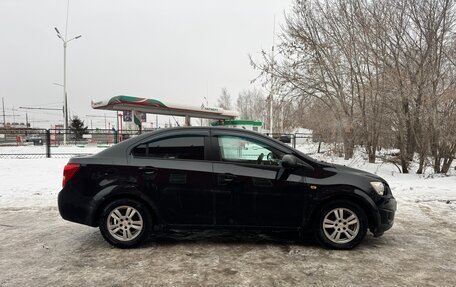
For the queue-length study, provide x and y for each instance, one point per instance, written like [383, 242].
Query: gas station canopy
[153, 106]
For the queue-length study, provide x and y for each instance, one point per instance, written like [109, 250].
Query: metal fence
[46, 143]
[297, 138]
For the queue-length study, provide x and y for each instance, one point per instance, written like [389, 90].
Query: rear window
[183, 147]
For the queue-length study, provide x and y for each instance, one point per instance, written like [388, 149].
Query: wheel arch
[126, 192]
[358, 197]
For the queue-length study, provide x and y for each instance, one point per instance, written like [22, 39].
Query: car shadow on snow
[283, 239]
[174, 237]
[225, 237]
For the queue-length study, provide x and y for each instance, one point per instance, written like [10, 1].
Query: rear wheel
[341, 225]
[125, 223]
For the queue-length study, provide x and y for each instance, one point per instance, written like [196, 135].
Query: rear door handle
[226, 178]
[148, 169]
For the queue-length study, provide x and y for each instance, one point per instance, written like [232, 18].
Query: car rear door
[174, 174]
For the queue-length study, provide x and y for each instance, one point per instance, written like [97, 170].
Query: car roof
[117, 153]
[119, 149]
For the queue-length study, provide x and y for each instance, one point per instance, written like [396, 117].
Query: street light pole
[65, 97]
[63, 107]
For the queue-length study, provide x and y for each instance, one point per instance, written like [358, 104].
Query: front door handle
[148, 169]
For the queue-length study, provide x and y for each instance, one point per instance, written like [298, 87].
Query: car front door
[172, 171]
[248, 190]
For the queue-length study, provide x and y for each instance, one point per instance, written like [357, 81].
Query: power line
[47, 109]
[48, 104]
[93, 116]
[50, 113]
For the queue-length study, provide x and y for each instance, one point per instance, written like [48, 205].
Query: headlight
[378, 186]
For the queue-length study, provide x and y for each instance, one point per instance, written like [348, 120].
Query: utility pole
[117, 133]
[121, 129]
[271, 96]
[283, 118]
[4, 117]
[65, 96]
[271, 121]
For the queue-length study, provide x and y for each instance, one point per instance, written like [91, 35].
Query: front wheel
[125, 223]
[341, 225]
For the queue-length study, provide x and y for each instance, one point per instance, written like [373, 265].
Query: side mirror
[289, 161]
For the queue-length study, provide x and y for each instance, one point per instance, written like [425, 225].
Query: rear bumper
[76, 208]
[386, 210]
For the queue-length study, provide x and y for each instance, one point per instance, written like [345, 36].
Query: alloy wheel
[124, 223]
[341, 225]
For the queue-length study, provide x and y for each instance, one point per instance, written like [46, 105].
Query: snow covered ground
[418, 250]
[36, 182]
[41, 149]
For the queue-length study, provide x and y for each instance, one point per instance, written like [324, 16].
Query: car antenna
[177, 123]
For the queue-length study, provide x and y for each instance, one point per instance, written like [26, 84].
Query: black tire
[349, 235]
[138, 234]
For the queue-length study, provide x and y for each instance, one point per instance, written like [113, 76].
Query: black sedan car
[207, 177]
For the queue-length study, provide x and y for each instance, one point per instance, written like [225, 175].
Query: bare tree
[417, 38]
[384, 70]
[252, 105]
[224, 100]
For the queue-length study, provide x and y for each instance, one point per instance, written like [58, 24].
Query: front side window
[183, 147]
[243, 150]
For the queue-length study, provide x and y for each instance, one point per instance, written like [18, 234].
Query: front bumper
[386, 210]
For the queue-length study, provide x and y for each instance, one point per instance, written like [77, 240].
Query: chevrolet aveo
[203, 178]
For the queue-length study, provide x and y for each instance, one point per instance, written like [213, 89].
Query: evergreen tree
[77, 127]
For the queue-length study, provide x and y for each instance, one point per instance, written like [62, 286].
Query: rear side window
[140, 150]
[183, 147]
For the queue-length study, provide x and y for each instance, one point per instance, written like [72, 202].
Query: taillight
[68, 171]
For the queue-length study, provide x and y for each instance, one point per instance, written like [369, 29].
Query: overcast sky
[175, 51]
